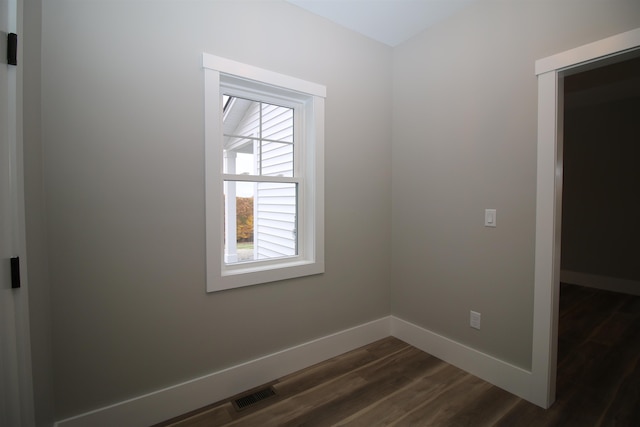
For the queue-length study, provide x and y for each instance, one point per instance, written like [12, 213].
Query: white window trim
[310, 260]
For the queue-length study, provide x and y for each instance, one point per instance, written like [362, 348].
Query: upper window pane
[260, 133]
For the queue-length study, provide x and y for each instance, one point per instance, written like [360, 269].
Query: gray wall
[601, 191]
[122, 113]
[465, 123]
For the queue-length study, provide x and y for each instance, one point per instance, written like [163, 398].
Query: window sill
[231, 278]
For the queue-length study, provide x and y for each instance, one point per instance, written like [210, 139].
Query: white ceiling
[388, 21]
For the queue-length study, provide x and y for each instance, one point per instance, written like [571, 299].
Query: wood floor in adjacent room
[392, 383]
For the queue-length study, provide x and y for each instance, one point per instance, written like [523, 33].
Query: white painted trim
[213, 168]
[551, 71]
[615, 284]
[176, 400]
[613, 45]
[502, 374]
[22, 410]
[547, 249]
[250, 72]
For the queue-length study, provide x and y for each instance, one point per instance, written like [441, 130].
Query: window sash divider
[262, 178]
[256, 138]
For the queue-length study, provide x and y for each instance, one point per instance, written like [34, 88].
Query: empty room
[209, 196]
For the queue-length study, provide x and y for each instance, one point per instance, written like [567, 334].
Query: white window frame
[221, 72]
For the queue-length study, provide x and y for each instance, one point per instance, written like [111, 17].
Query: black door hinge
[15, 272]
[12, 49]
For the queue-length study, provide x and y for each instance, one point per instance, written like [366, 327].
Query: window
[264, 167]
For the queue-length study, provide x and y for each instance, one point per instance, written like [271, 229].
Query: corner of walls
[495, 371]
[167, 403]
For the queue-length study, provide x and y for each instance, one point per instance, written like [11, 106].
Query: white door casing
[16, 401]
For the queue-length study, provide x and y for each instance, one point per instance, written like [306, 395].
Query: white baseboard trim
[502, 374]
[176, 400]
[161, 405]
[614, 284]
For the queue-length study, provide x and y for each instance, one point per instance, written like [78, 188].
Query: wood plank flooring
[390, 383]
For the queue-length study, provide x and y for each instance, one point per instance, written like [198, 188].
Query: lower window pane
[265, 225]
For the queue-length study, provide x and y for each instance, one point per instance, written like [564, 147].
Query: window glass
[259, 135]
[265, 221]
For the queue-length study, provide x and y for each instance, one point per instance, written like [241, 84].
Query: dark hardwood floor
[392, 383]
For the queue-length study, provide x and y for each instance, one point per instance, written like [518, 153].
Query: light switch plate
[489, 217]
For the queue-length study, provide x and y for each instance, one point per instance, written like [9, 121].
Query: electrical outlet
[474, 319]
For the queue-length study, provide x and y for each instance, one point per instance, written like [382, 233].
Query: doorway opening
[600, 205]
[599, 274]
[551, 72]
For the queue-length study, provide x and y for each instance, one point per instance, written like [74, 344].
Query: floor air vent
[253, 398]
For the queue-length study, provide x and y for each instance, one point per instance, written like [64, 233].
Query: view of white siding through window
[260, 215]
